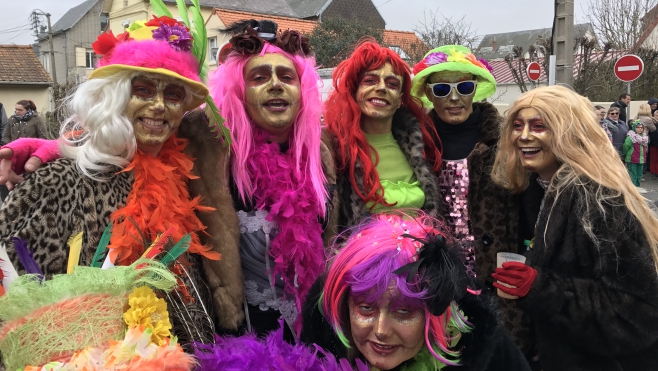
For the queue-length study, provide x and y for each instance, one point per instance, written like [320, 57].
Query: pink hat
[162, 45]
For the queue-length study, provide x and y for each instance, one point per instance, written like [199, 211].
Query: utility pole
[35, 25]
[563, 41]
[52, 50]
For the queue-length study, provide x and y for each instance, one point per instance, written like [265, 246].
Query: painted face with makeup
[533, 139]
[273, 92]
[379, 93]
[155, 108]
[454, 108]
[386, 333]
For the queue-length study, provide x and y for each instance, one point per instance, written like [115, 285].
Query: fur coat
[495, 216]
[211, 164]
[594, 307]
[407, 132]
[486, 347]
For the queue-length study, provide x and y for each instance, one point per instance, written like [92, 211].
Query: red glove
[516, 274]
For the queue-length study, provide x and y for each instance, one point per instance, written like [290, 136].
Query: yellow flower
[457, 56]
[147, 310]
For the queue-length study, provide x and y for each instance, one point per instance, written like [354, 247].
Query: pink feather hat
[162, 45]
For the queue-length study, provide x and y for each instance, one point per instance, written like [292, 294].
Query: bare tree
[436, 30]
[617, 21]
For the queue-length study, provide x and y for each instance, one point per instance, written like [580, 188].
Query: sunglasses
[614, 113]
[443, 89]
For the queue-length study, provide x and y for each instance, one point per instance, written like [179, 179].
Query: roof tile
[229, 16]
[19, 64]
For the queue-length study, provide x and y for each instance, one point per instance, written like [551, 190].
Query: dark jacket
[495, 216]
[622, 110]
[619, 136]
[35, 127]
[595, 307]
[487, 347]
[406, 131]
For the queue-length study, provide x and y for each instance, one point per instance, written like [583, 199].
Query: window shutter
[80, 57]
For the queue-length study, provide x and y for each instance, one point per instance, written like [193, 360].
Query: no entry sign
[629, 68]
[533, 71]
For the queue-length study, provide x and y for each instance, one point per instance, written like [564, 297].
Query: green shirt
[395, 175]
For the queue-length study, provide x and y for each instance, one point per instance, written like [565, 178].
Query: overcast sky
[493, 16]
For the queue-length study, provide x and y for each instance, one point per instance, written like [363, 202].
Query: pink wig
[227, 87]
[364, 268]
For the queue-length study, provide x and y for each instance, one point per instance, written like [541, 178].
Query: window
[212, 48]
[89, 59]
[104, 20]
[400, 52]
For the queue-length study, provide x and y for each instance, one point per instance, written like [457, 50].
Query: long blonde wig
[584, 151]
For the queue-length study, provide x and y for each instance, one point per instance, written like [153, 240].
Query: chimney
[494, 45]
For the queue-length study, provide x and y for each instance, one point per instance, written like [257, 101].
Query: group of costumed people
[245, 235]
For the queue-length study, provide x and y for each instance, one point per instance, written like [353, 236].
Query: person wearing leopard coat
[123, 165]
[448, 81]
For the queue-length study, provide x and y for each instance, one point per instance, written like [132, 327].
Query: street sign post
[627, 69]
[533, 71]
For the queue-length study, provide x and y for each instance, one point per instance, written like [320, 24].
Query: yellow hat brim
[199, 90]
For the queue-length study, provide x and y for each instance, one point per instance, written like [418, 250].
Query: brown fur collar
[224, 277]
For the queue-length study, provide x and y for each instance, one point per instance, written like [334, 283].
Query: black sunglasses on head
[443, 89]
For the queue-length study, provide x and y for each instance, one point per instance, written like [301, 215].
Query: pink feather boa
[287, 194]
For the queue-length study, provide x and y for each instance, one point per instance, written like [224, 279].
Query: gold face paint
[379, 93]
[272, 92]
[533, 140]
[455, 108]
[385, 334]
[155, 109]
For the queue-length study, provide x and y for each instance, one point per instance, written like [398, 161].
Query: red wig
[343, 117]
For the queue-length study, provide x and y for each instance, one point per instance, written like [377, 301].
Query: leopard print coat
[406, 131]
[494, 219]
[53, 204]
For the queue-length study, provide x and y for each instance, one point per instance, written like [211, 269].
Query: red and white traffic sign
[533, 71]
[629, 68]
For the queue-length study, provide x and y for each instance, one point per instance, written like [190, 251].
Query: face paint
[272, 93]
[155, 109]
[533, 139]
[379, 93]
[386, 334]
[455, 108]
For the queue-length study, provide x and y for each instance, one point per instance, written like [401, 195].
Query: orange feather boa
[159, 200]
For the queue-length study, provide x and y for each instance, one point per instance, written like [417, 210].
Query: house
[220, 18]
[406, 44]
[499, 45]
[649, 37]
[295, 14]
[22, 76]
[316, 10]
[72, 36]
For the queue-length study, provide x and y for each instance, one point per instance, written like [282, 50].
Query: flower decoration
[293, 42]
[435, 58]
[486, 64]
[146, 309]
[107, 41]
[157, 21]
[248, 42]
[176, 35]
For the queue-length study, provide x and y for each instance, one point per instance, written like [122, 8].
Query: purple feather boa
[287, 194]
[271, 353]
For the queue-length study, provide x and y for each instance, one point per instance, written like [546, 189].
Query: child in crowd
[635, 150]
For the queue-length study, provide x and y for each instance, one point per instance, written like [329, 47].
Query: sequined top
[453, 182]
